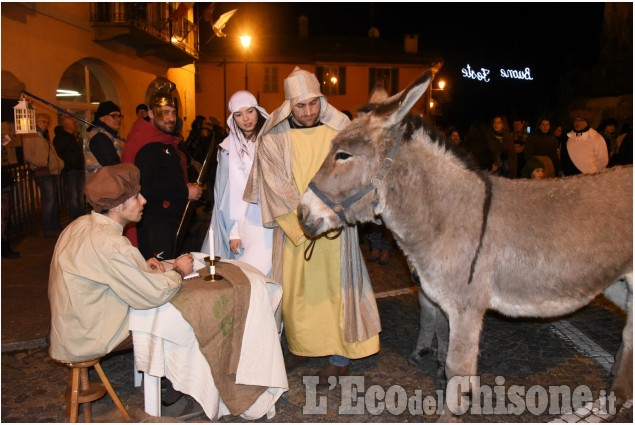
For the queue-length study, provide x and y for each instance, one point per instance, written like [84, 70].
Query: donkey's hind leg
[462, 358]
[427, 319]
[623, 369]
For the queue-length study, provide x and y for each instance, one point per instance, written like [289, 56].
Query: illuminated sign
[483, 74]
[517, 75]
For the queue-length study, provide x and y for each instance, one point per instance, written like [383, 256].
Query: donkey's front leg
[461, 363]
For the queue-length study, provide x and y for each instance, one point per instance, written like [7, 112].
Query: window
[79, 84]
[387, 77]
[271, 79]
[82, 87]
[332, 79]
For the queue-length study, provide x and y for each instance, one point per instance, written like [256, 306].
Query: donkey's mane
[414, 123]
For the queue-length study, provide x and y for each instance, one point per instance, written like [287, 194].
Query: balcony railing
[152, 19]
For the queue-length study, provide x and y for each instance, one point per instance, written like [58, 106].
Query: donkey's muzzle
[315, 216]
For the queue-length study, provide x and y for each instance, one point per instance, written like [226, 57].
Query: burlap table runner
[217, 312]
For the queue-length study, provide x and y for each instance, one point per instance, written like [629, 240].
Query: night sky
[549, 38]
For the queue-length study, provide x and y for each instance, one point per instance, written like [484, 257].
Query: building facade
[347, 68]
[75, 55]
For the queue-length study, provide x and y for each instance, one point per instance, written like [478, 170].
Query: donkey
[525, 248]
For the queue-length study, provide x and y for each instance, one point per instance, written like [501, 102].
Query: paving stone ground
[525, 353]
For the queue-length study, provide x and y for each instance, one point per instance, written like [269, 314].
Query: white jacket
[588, 151]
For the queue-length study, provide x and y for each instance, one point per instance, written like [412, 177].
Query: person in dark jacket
[142, 111]
[543, 143]
[501, 147]
[624, 155]
[196, 147]
[69, 148]
[103, 144]
[7, 181]
[608, 130]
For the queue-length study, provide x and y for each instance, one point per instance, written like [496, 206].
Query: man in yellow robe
[328, 305]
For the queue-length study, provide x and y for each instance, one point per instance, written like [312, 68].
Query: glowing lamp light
[245, 40]
[67, 93]
[441, 84]
[431, 104]
[333, 80]
[24, 116]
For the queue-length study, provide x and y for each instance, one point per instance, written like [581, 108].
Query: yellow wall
[211, 102]
[39, 45]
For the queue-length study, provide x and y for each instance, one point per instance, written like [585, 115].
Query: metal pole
[246, 87]
[224, 92]
[90, 124]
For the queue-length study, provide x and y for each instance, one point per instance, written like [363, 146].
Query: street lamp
[441, 86]
[245, 40]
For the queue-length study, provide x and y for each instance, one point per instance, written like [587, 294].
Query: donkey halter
[375, 183]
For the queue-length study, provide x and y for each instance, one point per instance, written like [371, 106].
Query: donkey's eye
[342, 156]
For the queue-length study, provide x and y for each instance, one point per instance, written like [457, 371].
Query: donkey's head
[346, 189]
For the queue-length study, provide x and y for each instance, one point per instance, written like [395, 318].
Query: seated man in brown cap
[96, 274]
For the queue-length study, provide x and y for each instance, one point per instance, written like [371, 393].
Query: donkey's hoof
[441, 382]
[448, 417]
[621, 395]
[416, 356]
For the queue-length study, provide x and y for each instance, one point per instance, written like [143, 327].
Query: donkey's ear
[409, 97]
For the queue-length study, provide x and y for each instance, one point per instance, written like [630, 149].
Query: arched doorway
[82, 87]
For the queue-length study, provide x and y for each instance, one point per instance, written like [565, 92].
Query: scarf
[581, 132]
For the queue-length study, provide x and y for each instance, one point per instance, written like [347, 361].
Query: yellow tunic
[311, 302]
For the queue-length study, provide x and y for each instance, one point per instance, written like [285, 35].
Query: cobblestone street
[519, 352]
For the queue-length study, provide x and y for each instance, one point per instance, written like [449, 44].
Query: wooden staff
[189, 208]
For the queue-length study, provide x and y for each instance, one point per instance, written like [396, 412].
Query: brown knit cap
[112, 185]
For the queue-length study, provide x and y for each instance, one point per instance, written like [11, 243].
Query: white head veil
[241, 153]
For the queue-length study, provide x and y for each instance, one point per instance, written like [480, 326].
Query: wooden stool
[82, 391]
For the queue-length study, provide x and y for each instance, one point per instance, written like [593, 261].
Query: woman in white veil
[237, 225]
